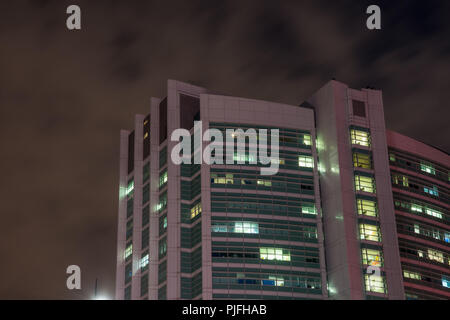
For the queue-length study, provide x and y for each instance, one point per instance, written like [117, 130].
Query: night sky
[65, 95]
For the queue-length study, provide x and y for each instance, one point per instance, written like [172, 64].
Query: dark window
[163, 120]
[189, 111]
[127, 293]
[131, 152]
[146, 194]
[359, 108]
[144, 284]
[128, 273]
[145, 215]
[146, 137]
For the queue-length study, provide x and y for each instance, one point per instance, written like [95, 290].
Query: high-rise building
[324, 226]
[420, 185]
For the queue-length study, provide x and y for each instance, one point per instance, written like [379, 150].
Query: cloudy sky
[64, 96]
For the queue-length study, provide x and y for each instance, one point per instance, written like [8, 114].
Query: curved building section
[420, 186]
[265, 230]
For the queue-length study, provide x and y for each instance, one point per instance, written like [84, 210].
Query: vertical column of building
[152, 208]
[337, 194]
[122, 215]
[391, 260]
[173, 196]
[135, 176]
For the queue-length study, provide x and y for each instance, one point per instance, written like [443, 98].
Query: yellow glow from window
[369, 232]
[366, 207]
[375, 283]
[362, 160]
[359, 137]
[372, 257]
[196, 210]
[435, 255]
[411, 275]
[363, 183]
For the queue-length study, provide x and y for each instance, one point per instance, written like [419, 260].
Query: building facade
[420, 185]
[324, 226]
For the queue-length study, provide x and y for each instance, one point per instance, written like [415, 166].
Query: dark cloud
[65, 95]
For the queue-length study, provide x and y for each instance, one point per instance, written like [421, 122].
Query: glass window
[431, 190]
[162, 178]
[433, 213]
[391, 157]
[366, 207]
[246, 227]
[401, 180]
[435, 255]
[128, 251]
[305, 161]
[375, 283]
[196, 210]
[363, 183]
[359, 137]
[446, 282]
[372, 257]
[274, 254]
[362, 160]
[309, 209]
[307, 139]
[411, 275]
[369, 232]
[428, 168]
[130, 187]
[144, 261]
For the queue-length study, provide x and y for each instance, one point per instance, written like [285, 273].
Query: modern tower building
[324, 226]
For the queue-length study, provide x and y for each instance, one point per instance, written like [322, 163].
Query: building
[420, 185]
[323, 227]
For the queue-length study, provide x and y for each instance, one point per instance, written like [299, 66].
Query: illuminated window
[363, 183]
[196, 210]
[433, 213]
[128, 251]
[435, 255]
[305, 161]
[309, 209]
[273, 281]
[372, 257]
[360, 137]
[162, 247]
[428, 168]
[416, 208]
[416, 228]
[375, 283]
[367, 207]
[265, 183]
[399, 179]
[369, 232]
[391, 157]
[130, 187]
[446, 282]
[274, 254]
[362, 160]
[242, 157]
[411, 275]
[447, 238]
[246, 227]
[165, 223]
[420, 253]
[144, 261]
[307, 139]
[433, 191]
[222, 179]
[162, 178]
